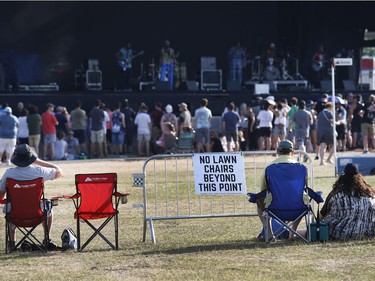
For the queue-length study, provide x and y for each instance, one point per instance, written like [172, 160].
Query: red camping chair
[26, 211]
[96, 198]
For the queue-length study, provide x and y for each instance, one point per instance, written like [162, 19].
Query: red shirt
[49, 123]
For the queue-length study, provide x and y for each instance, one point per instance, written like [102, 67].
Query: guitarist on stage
[124, 59]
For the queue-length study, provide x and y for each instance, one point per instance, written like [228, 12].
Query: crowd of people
[103, 131]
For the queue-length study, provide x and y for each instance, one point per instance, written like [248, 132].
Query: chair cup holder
[55, 202]
[124, 199]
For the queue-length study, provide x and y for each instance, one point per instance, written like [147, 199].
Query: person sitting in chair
[349, 209]
[28, 167]
[285, 151]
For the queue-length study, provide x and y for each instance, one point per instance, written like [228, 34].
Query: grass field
[190, 249]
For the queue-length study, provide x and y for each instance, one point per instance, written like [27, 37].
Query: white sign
[343, 62]
[219, 173]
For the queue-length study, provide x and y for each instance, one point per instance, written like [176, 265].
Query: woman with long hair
[349, 209]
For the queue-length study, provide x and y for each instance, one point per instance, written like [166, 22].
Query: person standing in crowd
[167, 61]
[230, 122]
[96, 130]
[118, 129]
[265, 117]
[302, 120]
[143, 121]
[78, 121]
[129, 128]
[34, 124]
[367, 124]
[63, 125]
[105, 121]
[349, 209]
[23, 129]
[279, 130]
[156, 115]
[325, 133]
[341, 126]
[293, 109]
[8, 134]
[168, 116]
[49, 123]
[237, 61]
[203, 118]
[184, 119]
[355, 119]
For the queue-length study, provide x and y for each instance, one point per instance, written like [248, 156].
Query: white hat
[168, 108]
[8, 109]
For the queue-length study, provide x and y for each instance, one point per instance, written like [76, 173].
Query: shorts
[143, 137]
[118, 138]
[202, 135]
[49, 139]
[44, 205]
[7, 145]
[231, 136]
[265, 132]
[97, 136]
[279, 130]
[367, 129]
[80, 135]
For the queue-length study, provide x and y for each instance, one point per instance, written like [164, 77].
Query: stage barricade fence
[168, 187]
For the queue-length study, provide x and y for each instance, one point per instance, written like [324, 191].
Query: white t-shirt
[203, 118]
[143, 121]
[265, 118]
[23, 129]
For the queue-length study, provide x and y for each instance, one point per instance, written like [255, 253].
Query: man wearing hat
[285, 151]
[184, 119]
[28, 167]
[8, 133]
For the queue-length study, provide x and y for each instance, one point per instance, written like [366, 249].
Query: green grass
[190, 249]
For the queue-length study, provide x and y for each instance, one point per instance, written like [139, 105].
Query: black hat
[351, 169]
[23, 156]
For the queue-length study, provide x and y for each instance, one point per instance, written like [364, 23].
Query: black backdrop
[65, 33]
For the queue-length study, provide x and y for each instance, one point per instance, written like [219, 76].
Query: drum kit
[271, 69]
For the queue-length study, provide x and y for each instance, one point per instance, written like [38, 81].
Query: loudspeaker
[349, 85]
[326, 85]
[208, 63]
[162, 86]
[192, 85]
[233, 86]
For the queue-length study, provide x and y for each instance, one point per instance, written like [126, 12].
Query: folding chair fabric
[287, 182]
[96, 198]
[24, 199]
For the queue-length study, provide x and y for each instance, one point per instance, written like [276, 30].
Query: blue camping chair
[287, 183]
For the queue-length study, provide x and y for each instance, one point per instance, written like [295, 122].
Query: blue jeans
[167, 68]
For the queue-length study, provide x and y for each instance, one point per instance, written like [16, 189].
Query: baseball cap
[48, 105]
[8, 109]
[285, 145]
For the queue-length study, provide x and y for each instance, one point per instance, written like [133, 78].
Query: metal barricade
[169, 191]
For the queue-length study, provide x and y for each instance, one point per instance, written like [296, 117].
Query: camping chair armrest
[255, 196]
[122, 196]
[75, 196]
[315, 195]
